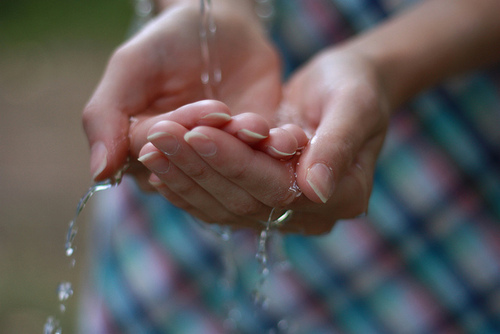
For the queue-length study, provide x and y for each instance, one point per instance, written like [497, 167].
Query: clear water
[73, 227]
[259, 297]
[211, 77]
[65, 289]
[211, 74]
[52, 326]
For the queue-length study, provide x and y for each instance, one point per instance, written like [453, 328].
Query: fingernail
[203, 145]
[251, 134]
[155, 162]
[146, 157]
[99, 159]
[280, 153]
[165, 142]
[320, 178]
[217, 116]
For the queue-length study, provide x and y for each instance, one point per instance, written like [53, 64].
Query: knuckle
[183, 189]
[243, 208]
[238, 172]
[196, 171]
[344, 148]
[362, 185]
[89, 114]
[122, 54]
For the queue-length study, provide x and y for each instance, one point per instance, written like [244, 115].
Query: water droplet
[260, 300]
[64, 291]
[69, 251]
[51, 326]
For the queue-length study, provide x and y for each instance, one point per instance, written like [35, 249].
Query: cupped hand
[338, 99]
[159, 70]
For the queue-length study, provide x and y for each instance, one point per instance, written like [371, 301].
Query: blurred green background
[52, 54]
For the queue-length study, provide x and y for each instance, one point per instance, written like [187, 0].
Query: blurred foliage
[43, 20]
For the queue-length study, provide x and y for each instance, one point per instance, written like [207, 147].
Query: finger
[251, 128]
[170, 138]
[223, 217]
[265, 178]
[177, 200]
[280, 144]
[298, 133]
[179, 189]
[206, 112]
[354, 189]
[331, 152]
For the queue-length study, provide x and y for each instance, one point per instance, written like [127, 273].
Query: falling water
[211, 74]
[65, 288]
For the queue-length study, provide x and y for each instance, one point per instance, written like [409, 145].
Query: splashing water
[64, 292]
[259, 298]
[211, 77]
[52, 326]
[73, 228]
[65, 288]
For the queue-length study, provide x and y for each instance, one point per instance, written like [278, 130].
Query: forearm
[431, 42]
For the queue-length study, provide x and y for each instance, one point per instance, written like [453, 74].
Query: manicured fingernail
[155, 162]
[146, 157]
[203, 145]
[99, 159]
[279, 153]
[251, 134]
[165, 142]
[320, 178]
[217, 116]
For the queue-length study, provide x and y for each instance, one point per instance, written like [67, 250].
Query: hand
[182, 176]
[339, 100]
[159, 70]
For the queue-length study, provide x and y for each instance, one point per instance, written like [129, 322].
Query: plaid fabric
[425, 260]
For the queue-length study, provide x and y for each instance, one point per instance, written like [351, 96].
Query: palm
[168, 66]
[159, 70]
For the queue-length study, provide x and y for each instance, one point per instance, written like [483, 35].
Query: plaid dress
[425, 260]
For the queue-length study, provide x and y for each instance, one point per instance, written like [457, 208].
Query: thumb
[123, 91]
[324, 162]
[107, 134]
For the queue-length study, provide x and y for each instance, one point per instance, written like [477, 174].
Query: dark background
[52, 54]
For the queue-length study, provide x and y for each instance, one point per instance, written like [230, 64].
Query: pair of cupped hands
[309, 145]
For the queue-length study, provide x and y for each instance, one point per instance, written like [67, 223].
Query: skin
[163, 63]
[342, 98]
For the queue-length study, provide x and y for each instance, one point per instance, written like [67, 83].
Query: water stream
[65, 288]
[211, 76]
